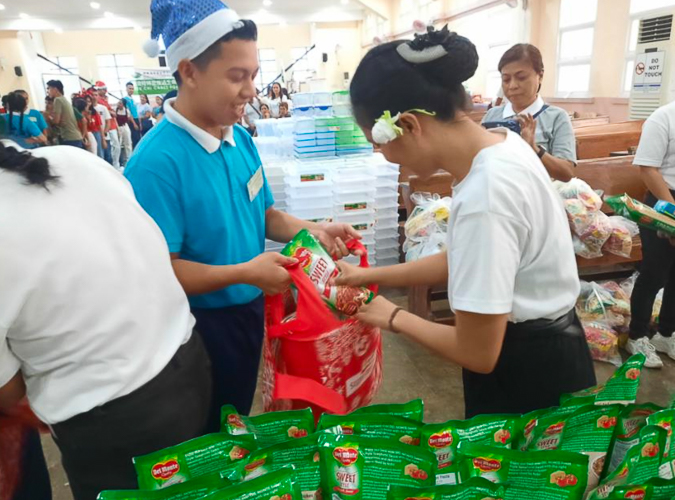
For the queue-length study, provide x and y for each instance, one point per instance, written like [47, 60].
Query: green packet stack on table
[191, 490]
[387, 426]
[642, 214]
[279, 485]
[269, 428]
[475, 488]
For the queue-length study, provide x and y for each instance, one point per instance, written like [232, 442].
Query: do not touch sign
[648, 75]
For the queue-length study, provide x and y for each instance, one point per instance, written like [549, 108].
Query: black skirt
[540, 361]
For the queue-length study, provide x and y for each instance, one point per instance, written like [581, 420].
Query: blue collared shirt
[195, 187]
[131, 105]
[36, 117]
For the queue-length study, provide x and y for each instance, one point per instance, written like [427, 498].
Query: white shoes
[644, 346]
[664, 344]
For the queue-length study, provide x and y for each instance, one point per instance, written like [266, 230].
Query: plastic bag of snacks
[631, 421]
[594, 236]
[576, 189]
[195, 458]
[604, 303]
[444, 439]
[192, 490]
[603, 342]
[553, 474]
[427, 226]
[312, 357]
[641, 464]
[412, 409]
[317, 263]
[620, 241]
[268, 428]
[642, 214]
[622, 387]
[279, 485]
[375, 425]
[475, 488]
[360, 468]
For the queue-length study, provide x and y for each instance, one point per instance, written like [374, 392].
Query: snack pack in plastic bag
[603, 342]
[642, 214]
[594, 236]
[579, 190]
[427, 226]
[620, 241]
[603, 303]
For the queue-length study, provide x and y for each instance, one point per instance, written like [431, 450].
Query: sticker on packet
[412, 409]
[475, 488]
[632, 419]
[622, 387]
[373, 425]
[360, 468]
[542, 475]
[195, 458]
[443, 439]
[641, 464]
[317, 263]
[279, 485]
[192, 490]
[268, 428]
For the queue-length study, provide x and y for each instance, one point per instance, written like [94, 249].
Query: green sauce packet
[195, 458]
[545, 475]
[361, 468]
[278, 485]
[665, 419]
[268, 428]
[443, 439]
[412, 409]
[475, 488]
[632, 419]
[373, 425]
[641, 464]
[622, 387]
[302, 454]
[191, 490]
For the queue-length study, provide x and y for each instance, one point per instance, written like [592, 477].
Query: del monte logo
[235, 420]
[165, 470]
[442, 440]
[637, 494]
[555, 428]
[487, 464]
[346, 456]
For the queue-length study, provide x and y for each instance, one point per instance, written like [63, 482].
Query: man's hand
[528, 129]
[134, 124]
[267, 272]
[334, 235]
[377, 313]
[104, 144]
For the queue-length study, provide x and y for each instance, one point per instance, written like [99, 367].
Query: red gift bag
[311, 358]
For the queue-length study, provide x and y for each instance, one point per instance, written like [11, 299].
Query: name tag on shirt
[255, 184]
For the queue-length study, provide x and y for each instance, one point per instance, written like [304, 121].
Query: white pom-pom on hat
[151, 47]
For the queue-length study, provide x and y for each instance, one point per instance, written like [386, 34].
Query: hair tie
[425, 55]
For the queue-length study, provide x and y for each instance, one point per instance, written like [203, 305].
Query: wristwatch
[541, 152]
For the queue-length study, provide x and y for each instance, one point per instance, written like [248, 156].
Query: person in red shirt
[115, 147]
[95, 125]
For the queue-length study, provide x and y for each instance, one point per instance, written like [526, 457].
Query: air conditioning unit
[653, 73]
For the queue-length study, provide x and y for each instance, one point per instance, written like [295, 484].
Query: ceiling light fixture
[2, 7]
[95, 5]
[23, 15]
[267, 3]
[108, 14]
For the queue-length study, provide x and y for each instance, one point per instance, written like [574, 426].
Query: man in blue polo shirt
[198, 174]
[34, 115]
[133, 115]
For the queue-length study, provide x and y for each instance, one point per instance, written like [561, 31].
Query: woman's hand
[528, 129]
[377, 313]
[351, 275]
[333, 236]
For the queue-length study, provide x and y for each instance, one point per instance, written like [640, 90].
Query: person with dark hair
[114, 151]
[283, 110]
[95, 329]
[199, 175]
[19, 128]
[157, 109]
[79, 105]
[275, 98]
[63, 119]
[145, 114]
[265, 112]
[134, 121]
[123, 117]
[34, 115]
[95, 125]
[510, 266]
[547, 129]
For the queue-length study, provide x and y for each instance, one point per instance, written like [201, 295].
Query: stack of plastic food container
[386, 208]
[341, 103]
[311, 141]
[275, 172]
[309, 190]
[307, 105]
[275, 138]
[354, 195]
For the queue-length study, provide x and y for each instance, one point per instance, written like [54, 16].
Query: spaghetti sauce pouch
[302, 454]
[665, 419]
[542, 475]
[317, 263]
[622, 387]
[192, 490]
[279, 485]
[443, 439]
[195, 458]
[475, 488]
[641, 464]
[360, 468]
[269, 428]
[373, 425]
[412, 409]
[632, 419]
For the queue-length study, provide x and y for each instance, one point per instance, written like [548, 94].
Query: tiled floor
[411, 372]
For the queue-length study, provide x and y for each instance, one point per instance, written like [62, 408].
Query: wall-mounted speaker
[18, 71]
[325, 57]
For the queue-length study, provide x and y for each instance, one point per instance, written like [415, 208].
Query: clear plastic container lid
[390, 253]
[353, 206]
[311, 214]
[302, 99]
[309, 190]
[387, 221]
[361, 221]
[383, 244]
[363, 194]
[386, 233]
[323, 99]
[304, 126]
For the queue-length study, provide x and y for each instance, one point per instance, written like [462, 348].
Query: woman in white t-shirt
[275, 97]
[510, 266]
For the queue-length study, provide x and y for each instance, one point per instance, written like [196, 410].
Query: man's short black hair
[56, 84]
[130, 83]
[249, 31]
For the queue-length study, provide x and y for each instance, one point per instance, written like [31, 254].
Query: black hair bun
[457, 66]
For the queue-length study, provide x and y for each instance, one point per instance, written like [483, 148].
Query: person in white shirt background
[275, 97]
[656, 159]
[94, 326]
[510, 266]
[144, 114]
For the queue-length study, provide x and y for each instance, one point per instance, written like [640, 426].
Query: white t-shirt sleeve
[9, 363]
[653, 147]
[484, 259]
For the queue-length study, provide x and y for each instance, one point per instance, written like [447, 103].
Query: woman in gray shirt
[548, 129]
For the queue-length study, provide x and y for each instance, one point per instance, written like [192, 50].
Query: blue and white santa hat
[188, 27]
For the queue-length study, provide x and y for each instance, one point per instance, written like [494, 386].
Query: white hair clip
[385, 129]
[421, 56]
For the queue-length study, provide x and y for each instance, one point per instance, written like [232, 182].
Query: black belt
[567, 324]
